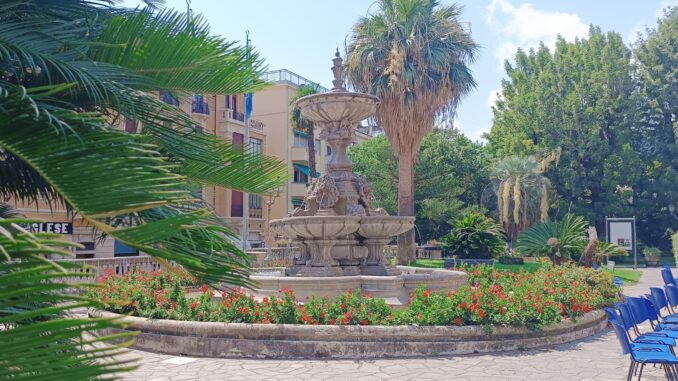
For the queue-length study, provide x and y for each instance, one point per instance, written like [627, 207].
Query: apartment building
[270, 133]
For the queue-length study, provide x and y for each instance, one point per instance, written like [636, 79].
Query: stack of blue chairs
[653, 346]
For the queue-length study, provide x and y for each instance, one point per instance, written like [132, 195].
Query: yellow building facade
[271, 133]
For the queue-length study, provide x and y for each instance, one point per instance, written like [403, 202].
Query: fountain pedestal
[341, 236]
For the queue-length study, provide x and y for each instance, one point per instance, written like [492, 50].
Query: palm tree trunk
[311, 151]
[406, 245]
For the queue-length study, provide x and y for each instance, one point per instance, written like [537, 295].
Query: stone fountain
[340, 235]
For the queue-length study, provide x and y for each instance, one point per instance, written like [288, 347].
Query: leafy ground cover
[547, 296]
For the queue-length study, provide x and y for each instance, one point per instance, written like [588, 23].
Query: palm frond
[38, 340]
[178, 53]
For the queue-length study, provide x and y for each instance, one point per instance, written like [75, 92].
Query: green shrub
[652, 255]
[547, 296]
[560, 241]
[475, 236]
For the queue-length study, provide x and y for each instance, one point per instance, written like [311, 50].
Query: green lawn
[628, 276]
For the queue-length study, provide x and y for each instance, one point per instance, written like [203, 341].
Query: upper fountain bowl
[338, 106]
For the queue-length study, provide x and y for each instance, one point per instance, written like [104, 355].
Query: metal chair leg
[630, 374]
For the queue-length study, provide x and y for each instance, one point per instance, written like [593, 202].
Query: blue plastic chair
[643, 310]
[618, 282]
[661, 344]
[628, 323]
[660, 302]
[667, 276]
[668, 361]
[671, 296]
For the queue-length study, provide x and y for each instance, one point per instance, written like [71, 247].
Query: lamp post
[270, 200]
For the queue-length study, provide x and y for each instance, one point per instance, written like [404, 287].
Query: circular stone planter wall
[210, 339]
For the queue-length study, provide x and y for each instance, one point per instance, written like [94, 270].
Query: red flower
[502, 310]
[462, 305]
[342, 306]
[333, 321]
[457, 320]
[364, 322]
[194, 305]
[204, 288]
[426, 293]
[481, 314]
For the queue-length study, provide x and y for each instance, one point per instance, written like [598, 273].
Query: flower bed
[548, 296]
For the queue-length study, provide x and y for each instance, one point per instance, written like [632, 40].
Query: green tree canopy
[576, 99]
[450, 174]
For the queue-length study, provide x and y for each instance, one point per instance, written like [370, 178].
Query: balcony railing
[169, 99]
[200, 107]
[256, 125]
[256, 213]
[238, 116]
[286, 76]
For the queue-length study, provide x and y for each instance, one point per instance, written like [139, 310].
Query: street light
[270, 200]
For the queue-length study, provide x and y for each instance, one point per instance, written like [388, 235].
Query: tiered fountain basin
[341, 253]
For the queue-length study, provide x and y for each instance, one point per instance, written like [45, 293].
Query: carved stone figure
[322, 193]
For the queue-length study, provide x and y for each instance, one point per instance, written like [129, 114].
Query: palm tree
[522, 193]
[413, 55]
[67, 69]
[306, 126]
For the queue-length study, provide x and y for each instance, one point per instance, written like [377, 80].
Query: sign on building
[51, 227]
[622, 231]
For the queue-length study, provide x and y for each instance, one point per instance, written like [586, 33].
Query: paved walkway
[595, 358]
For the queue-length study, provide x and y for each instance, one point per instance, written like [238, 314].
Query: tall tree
[67, 69]
[306, 126]
[413, 55]
[577, 99]
[657, 130]
[521, 192]
[449, 176]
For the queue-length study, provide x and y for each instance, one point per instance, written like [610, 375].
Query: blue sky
[301, 35]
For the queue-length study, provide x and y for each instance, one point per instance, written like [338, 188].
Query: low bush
[547, 296]
[475, 236]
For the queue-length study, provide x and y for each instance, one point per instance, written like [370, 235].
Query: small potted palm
[652, 255]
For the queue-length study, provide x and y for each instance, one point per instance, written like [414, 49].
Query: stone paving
[595, 358]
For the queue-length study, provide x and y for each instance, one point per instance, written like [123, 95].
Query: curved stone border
[210, 339]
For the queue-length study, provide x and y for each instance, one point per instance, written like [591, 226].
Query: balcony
[256, 213]
[256, 125]
[238, 116]
[169, 99]
[200, 107]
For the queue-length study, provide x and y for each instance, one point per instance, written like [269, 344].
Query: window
[227, 101]
[329, 150]
[256, 146]
[122, 250]
[255, 201]
[87, 246]
[236, 204]
[238, 139]
[300, 140]
[297, 202]
[299, 176]
[317, 146]
[131, 126]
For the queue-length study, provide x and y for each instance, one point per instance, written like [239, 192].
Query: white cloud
[524, 26]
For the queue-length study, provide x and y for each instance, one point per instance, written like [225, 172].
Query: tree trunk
[406, 244]
[311, 151]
